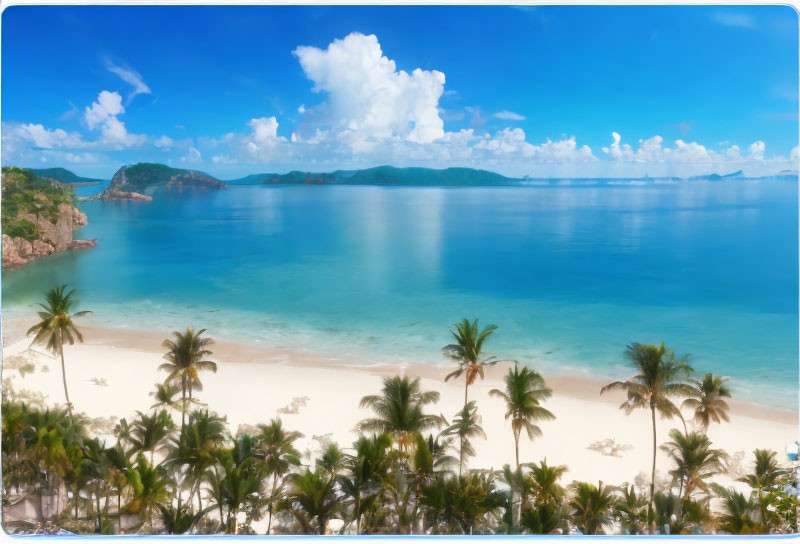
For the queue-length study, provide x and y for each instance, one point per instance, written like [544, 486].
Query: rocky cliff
[140, 181]
[39, 218]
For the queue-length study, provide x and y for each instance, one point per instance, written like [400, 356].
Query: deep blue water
[569, 274]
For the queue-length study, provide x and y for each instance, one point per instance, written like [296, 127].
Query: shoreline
[112, 374]
[572, 384]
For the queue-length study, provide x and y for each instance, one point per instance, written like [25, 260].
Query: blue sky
[540, 91]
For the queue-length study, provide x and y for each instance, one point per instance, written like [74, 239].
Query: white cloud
[509, 116]
[740, 20]
[130, 76]
[103, 114]
[756, 151]
[193, 156]
[369, 99]
[164, 142]
[41, 137]
[263, 139]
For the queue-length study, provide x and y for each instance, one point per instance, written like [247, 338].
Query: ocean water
[570, 274]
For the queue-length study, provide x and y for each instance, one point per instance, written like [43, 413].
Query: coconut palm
[149, 488]
[186, 358]
[591, 506]
[164, 395]
[524, 391]
[660, 377]
[117, 467]
[765, 477]
[708, 400]
[467, 351]
[466, 424]
[276, 445]
[312, 500]
[195, 448]
[399, 410]
[695, 461]
[738, 512]
[150, 432]
[365, 469]
[544, 484]
[56, 326]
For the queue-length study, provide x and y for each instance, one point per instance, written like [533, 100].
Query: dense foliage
[26, 193]
[176, 469]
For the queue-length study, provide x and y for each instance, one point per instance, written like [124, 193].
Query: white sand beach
[111, 375]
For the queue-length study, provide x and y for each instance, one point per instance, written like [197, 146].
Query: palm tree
[276, 444]
[524, 391]
[468, 352]
[660, 377]
[117, 467]
[737, 512]
[544, 484]
[466, 424]
[365, 470]
[149, 486]
[695, 461]
[164, 395]
[591, 506]
[57, 326]
[399, 410]
[312, 500]
[708, 400]
[151, 431]
[766, 475]
[186, 358]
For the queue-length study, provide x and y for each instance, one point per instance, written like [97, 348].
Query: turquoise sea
[570, 274]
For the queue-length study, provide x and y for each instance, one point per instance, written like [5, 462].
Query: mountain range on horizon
[380, 175]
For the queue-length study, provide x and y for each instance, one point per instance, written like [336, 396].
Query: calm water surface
[570, 274]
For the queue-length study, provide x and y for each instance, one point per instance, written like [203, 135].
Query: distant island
[39, 217]
[63, 175]
[385, 176]
[140, 181]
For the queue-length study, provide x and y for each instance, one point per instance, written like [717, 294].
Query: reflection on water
[379, 273]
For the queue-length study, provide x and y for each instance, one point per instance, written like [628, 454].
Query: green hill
[134, 181]
[390, 176]
[63, 175]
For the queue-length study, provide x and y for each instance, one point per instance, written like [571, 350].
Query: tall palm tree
[660, 377]
[56, 326]
[708, 400]
[399, 410]
[695, 461]
[149, 488]
[525, 389]
[466, 424]
[276, 444]
[186, 358]
[365, 469]
[467, 351]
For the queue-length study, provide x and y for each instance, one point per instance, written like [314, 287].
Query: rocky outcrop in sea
[53, 237]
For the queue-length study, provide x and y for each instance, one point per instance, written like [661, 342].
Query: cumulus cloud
[369, 98]
[44, 138]
[263, 138]
[164, 142]
[193, 156]
[509, 116]
[130, 76]
[102, 115]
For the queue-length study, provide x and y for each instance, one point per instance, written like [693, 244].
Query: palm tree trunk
[183, 402]
[271, 501]
[64, 374]
[516, 455]
[461, 438]
[119, 512]
[653, 472]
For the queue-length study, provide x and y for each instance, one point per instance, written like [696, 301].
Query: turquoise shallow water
[571, 274]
